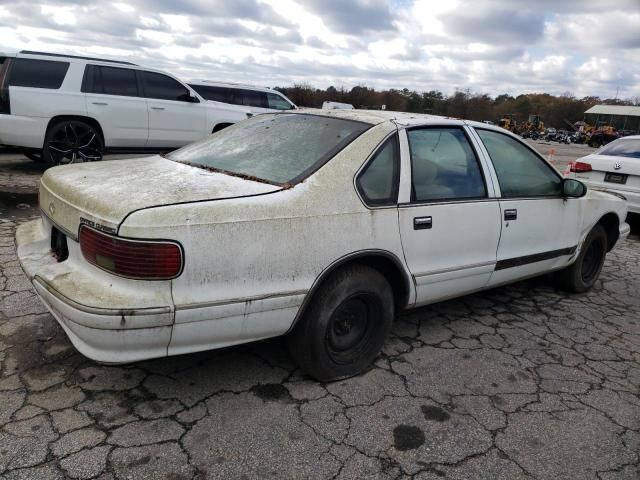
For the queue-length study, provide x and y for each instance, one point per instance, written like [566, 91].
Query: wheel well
[385, 263]
[611, 225]
[220, 126]
[91, 121]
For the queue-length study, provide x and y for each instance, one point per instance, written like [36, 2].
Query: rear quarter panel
[240, 252]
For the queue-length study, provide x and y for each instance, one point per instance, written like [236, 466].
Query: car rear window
[269, 147]
[625, 147]
[27, 72]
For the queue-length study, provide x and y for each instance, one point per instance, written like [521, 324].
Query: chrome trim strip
[97, 310]
[239, 300]
[448, 270]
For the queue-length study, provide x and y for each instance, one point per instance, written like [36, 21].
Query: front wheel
[72, 141]
[583, 273]
[345, 325]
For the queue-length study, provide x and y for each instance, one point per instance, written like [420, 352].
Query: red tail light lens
[579, 167]
[150, 260]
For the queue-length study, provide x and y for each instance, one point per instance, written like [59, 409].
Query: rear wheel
[583, 273]
[72, 141]
[345, 325]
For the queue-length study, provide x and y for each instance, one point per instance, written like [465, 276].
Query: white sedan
[615, 168]
[319, 225]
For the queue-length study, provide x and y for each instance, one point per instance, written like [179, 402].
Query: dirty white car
[319, 226]
[615, 168]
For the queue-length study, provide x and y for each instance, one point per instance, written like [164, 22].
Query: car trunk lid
[102, 194]
[615, 172]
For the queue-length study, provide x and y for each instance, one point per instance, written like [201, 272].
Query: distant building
[620, 116]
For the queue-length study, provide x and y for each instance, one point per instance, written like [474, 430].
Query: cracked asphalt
[519, 382]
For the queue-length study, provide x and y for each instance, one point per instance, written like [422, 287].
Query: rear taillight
[578, 167]
[5, 104]
[140, 259]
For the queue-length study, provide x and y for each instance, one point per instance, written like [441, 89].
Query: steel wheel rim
[350, 327]
[74, 142]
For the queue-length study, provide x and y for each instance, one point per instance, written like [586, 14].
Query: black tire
[583, 273]
[72, 141]
[33, 155]
[345, 325]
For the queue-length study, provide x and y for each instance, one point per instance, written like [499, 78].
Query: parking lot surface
[518, 382]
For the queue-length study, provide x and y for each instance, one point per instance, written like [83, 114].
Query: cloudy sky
[585, 47]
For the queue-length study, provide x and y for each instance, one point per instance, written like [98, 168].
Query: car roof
[405, 119]
[246, 86]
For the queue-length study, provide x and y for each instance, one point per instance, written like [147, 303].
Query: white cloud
[487, 46]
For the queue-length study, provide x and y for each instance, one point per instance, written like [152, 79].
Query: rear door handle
[422, 223]
[511, 214]
[100, 103]
[157, 108]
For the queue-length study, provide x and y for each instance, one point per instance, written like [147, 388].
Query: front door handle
[100, 103]
[157, 108]
[511, 214]
[422, 223]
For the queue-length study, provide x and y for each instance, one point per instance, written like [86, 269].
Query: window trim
[393, 201]
[412, 198]
[531, 149]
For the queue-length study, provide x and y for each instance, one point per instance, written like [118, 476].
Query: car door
[175, 117]
[450, 225]
[113, 98]
[540, 227]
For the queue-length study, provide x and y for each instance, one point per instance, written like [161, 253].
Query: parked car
[319, 225]
[246, 98]
[615, 168]
[336, 106]
[67, 109]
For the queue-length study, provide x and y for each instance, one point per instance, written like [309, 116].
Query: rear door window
[217, 94]
[110, 81]
[27, 72]
[444, 165]
[163, 87]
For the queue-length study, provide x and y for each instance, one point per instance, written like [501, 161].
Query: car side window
[218, 94]
[253, 99]
[277, 102]
[110, 81]
[27, 72]
[443, 165]
[378, 182]
[157, 85]
[521, 173]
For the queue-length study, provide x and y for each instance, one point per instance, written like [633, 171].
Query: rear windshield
[276, 148]
[625, 147]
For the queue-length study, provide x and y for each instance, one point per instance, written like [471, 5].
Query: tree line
[462, 104]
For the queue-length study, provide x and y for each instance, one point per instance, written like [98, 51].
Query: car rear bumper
[19, 131]
[97, 327]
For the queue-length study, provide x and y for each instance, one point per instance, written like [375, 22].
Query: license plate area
[611, 177]
[59, 247]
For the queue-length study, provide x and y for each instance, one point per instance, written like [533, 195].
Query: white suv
[256, 99]
[67, 109]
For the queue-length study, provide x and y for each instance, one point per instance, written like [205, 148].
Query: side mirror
[573, 188]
